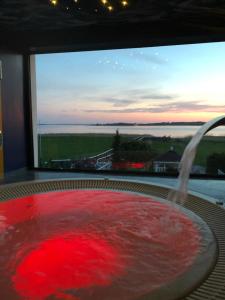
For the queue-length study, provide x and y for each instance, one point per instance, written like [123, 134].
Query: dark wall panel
[14, 129]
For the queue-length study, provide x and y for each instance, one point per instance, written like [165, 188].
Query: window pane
[130, 109]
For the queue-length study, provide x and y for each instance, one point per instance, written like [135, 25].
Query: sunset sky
[173, 83]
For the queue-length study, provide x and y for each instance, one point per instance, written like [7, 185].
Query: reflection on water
[160, 131]
[91, 245]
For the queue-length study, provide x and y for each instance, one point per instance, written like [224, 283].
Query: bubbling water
[180, 193]
[94, 244]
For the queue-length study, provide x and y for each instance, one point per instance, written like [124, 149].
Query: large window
[130, 109]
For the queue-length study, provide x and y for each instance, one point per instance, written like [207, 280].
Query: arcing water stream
[180, 194]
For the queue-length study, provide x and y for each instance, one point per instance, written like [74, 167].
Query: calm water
[173, 131]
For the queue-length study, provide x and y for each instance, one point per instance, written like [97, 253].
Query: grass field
[206, 147]
[76, 146]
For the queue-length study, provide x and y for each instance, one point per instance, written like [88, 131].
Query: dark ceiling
[39, 26]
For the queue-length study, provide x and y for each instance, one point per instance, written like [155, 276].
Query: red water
[91, 244]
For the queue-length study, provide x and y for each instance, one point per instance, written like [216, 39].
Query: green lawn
[75, 146]
[209, 146]
[206, 147]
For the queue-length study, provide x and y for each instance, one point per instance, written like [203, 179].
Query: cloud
[119, 102]
[151, 94]
[176, 107]
[187, 106]
[125, 110]
[68, 110]
[157, 97]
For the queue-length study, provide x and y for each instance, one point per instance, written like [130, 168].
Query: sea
[158, 131]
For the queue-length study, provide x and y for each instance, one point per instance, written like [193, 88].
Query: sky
[155, 84]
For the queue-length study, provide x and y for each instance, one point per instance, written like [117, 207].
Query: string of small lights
[96, 6]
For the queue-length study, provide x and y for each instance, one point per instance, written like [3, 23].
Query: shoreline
[129, 135]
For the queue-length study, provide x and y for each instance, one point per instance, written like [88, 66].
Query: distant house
[167, 162]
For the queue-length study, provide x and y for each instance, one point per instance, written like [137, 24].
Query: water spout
[179, 194]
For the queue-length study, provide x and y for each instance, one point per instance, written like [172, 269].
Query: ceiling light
[110, 8]
[97, 7]
[124, 3]
[54, 2]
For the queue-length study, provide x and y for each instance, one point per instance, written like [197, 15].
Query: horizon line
[131, 123]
